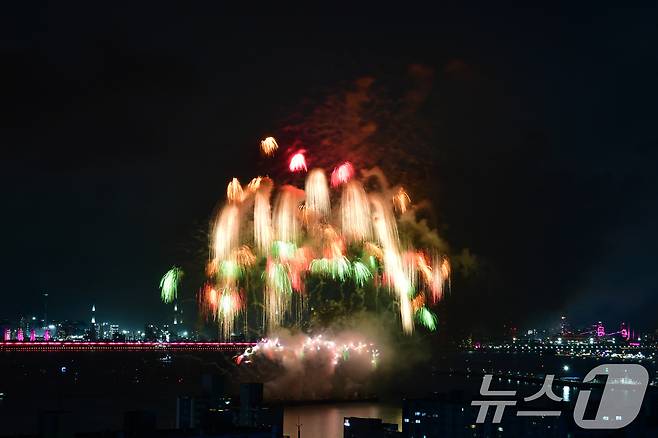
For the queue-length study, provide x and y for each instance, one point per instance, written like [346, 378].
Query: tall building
[564, 326]
[251, 399]
[178, 313]
[105, 330]
[252, 411]
[93, 334]
[45, 309]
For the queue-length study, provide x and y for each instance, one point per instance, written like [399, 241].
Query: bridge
[61, 346]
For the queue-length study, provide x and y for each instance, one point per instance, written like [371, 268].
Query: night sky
[122, 126]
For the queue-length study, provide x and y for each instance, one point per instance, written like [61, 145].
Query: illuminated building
[105, 330]
[178, 313]
[151, 333]
[452, 415]
[205, 411]
[564, 326]
[72, 330]
[93, 333]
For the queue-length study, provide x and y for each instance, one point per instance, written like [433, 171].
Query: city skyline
[561, 325]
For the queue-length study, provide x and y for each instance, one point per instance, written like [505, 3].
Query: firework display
[269, 241]
[342, 174]
[169, 284]
[268, 146]
[336, 351]
[401, 200]
[298, 162]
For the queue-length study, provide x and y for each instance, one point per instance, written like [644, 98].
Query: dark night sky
[122, 126]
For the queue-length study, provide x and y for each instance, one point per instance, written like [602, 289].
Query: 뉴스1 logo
[620, 402]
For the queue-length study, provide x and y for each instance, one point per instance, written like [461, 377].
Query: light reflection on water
[326, 420]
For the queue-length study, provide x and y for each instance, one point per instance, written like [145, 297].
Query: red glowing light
[298, 162]
[342, 174]
[53, 346]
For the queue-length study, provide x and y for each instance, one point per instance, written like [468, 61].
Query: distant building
[452, 415]
[150, 333]
[210, 410]
[439, 416]
[93, 333]
[204, 412]
[178, 313]
[252, 411]
[565, 329]
[251, 399]
[213, 412]
[71, 330]
[104, 330]
[355, 427]
[186, 415]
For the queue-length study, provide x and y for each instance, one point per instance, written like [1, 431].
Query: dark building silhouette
[252, 411]
[355, 427]
[139, 424]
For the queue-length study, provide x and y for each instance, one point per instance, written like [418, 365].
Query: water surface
[326, 420]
